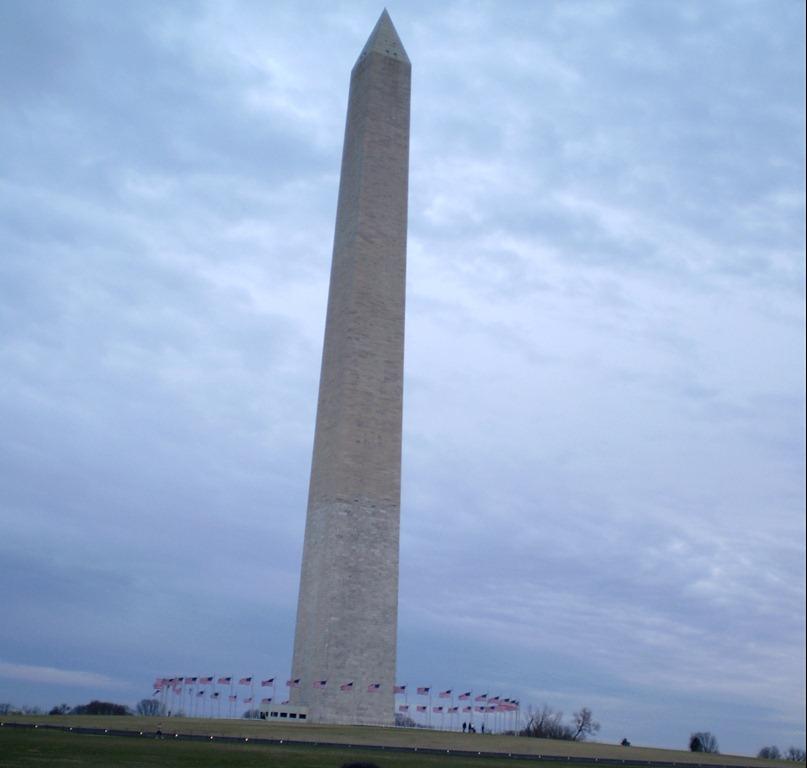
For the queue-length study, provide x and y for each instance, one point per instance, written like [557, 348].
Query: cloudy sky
[603, 472]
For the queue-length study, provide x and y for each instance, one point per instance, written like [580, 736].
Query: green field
[44, 746]
[25, 748]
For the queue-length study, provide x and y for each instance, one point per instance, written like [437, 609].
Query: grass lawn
[43, 748]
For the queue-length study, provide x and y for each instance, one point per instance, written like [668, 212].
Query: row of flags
[484, 702]
[233, 698]
[176, 683]
[170, 682]
[503, 706]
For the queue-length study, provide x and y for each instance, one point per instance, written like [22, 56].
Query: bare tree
[703, 741]
[584, 725]
[150, 708]
[795, 754]
[546, 723]
[404, 721]
[769, 753]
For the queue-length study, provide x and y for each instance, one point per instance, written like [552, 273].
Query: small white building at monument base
[288, 712]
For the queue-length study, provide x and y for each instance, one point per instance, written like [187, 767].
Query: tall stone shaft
[348, 600]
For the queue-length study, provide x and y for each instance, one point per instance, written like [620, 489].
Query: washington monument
[347, 612]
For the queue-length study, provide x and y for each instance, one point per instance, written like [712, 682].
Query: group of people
[469, 728]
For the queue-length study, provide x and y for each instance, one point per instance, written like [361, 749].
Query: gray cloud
[603, 466]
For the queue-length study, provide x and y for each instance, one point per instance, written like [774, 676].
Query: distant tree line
[10, 709]
[794, 754]
[95, 707]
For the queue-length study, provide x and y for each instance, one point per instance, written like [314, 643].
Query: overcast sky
[604, 405]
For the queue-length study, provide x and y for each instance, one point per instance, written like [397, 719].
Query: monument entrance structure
[343, 669]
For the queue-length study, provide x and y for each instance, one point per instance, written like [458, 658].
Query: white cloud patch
[53, 676]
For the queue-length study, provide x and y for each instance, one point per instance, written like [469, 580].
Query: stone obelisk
[344, 646]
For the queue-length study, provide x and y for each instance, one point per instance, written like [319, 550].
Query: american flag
[400, 689]
[293, 683]
[422, 707]
[467, 709]
[423, 691]
[346, 687]
[373, 687]
[437, 709]
[270, 681]
[481, 697]
[464, 696]
[285, 702]
[453, 709]
[190, 680]
[205, 680]
[495, 698]
[233, 698]
[444, 694]
[403, 707]
[320, 683]
[266, 701]
[225, 680]
[245, 681]
[248, 700]
[479, 709]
